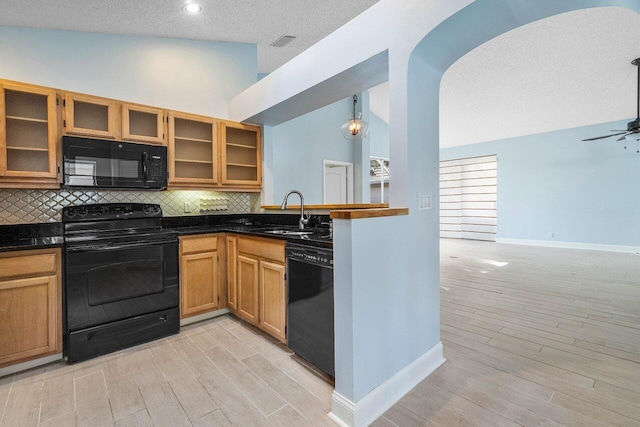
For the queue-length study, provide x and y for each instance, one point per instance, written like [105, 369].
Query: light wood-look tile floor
[532, 336]
[215, 373]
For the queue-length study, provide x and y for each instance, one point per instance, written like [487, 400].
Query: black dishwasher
[310, 305]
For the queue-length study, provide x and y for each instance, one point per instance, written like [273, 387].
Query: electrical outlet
[550, 234]
[424, 201]
[187, 207]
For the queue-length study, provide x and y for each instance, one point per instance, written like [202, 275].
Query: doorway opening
[337, 182]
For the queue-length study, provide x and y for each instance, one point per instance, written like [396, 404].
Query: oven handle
[107, 335]
[117, 247]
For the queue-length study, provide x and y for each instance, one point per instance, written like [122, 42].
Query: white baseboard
[366, 410]
[28, 365]
[205, 316]
[571, 245]
[342, 410]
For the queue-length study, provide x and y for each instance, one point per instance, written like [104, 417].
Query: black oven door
[109, 283]
[104, 164]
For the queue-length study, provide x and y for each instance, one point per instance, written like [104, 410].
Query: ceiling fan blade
[605, 136]
[623, 137]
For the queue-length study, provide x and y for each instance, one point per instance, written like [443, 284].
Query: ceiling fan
[633, 127]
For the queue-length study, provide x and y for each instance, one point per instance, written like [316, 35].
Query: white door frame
[349, 166]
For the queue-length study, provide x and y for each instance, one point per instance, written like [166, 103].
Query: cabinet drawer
[198, 244]
[17, 264]
[262, 248]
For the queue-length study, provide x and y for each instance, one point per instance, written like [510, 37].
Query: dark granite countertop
[48, 235]
[30, 236]
[320, 237]
[255, 225]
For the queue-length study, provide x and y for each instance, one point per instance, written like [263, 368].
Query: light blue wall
[361, 154]
[186, 75]
[382, 323]
[552, 182]
[300, 145]
[411, 273]
[378, 137]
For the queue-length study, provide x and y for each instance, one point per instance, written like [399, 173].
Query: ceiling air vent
[283, 41]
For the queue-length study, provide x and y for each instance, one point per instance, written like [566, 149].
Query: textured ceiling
[567, 71]
[248, 21]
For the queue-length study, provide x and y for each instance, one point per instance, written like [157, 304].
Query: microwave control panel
[157, 164]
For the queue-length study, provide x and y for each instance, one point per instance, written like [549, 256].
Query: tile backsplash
[33, 206]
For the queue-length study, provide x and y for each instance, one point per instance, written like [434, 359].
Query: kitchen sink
[289, 232]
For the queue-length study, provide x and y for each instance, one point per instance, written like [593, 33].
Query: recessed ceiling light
[192, 8]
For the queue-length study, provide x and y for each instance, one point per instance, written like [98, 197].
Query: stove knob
[156, 209]
[83, 212]
[71, 212]
[147, 209]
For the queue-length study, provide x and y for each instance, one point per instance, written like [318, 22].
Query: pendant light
[355, 128]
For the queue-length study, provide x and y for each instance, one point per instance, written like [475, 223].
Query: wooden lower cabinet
[273, 298]
[232, 273]
[244, 274]
[199, 286]
[30, 305]
[248, 289]
[256, 272]
[200, 273]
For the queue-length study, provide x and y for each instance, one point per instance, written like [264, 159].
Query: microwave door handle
[145, 160]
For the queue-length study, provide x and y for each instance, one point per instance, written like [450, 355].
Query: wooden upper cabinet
[28, 135]
[143, 124]
[204, 152]
[241, 152]
[193, 151]
[90, 116]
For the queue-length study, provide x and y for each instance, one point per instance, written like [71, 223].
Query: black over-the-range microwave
[98, 163]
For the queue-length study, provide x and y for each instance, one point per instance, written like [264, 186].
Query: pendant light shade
[355, 128]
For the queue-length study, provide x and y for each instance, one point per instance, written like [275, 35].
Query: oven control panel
[110, 211]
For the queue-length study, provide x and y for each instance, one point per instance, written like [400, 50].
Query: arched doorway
[416, 157]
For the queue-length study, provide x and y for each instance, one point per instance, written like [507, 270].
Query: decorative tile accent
[255, 202]
[212, 204]
[33, 206]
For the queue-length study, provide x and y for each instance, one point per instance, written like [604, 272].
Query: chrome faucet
[304, 219]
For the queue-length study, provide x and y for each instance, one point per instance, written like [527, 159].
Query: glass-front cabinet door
[241, 147]
[28, 132]
[143, 124]
[90, 116]
[193, 151]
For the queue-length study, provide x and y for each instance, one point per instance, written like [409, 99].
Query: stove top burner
[103, 225]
